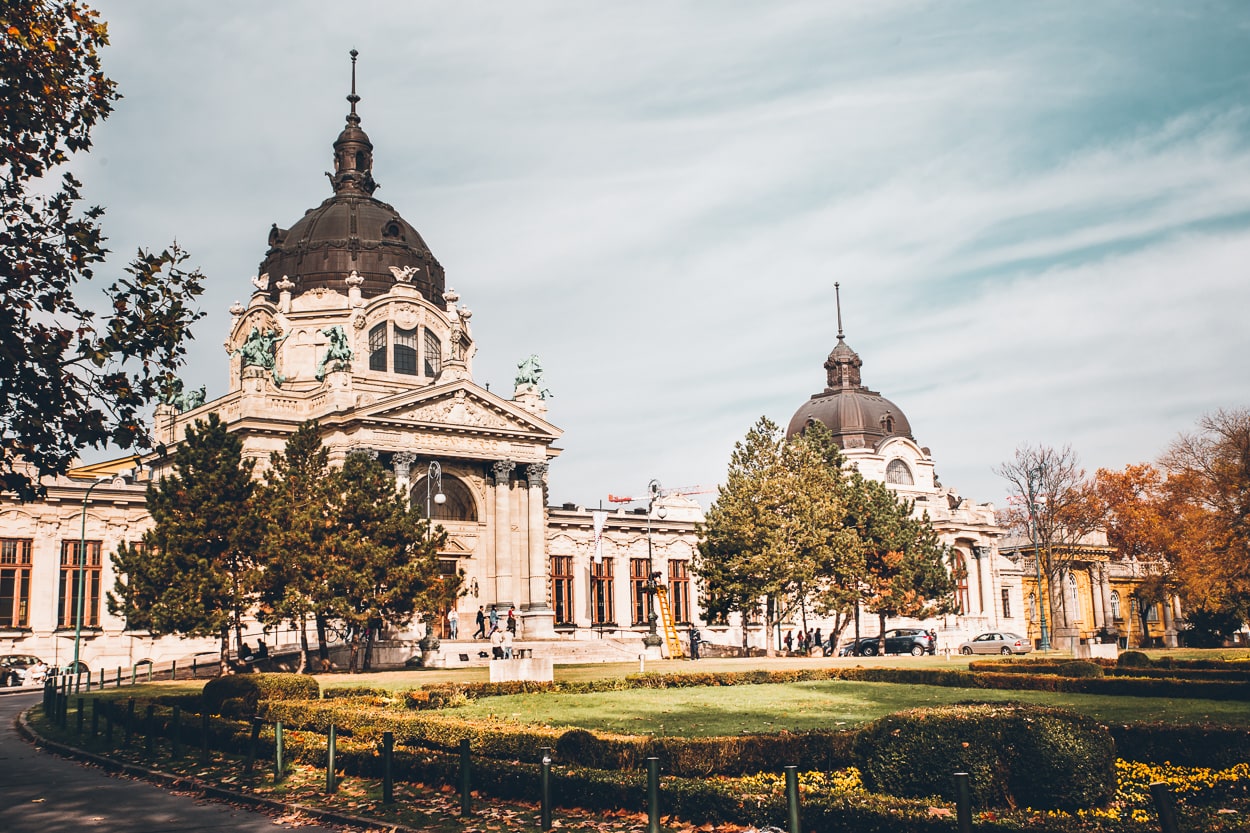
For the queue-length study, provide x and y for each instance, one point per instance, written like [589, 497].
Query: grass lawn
[811, 705]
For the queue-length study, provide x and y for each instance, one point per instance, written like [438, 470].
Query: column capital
[402, 462]
[536, 473]
[503, 470]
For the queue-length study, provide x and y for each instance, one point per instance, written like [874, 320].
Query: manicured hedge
[238, 695]
[1015, 755]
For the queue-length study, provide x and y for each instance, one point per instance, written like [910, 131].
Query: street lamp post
[652, 639]
[81, 606]
[1036, 500]
[433, 475]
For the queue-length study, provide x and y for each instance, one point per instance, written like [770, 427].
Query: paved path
[45, 793]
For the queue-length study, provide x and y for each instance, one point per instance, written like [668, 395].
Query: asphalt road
[44, 793]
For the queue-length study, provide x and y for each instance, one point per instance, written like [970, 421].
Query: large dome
[857, 416]
[352, 232]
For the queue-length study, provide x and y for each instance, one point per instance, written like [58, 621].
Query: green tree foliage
[908, 570]
[68, 379]
[295, 506]
[791, 528]
[384, 566]
[195, 572]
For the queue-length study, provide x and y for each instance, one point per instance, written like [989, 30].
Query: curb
[202, 788]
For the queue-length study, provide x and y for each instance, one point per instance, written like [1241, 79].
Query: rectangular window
[406, 351]
[679, 589]
[1006, 603]
[562, 588]
[377, 348]
[15, 582]
[433, 355]
[602, 609]
[638, 574]
[71, 589]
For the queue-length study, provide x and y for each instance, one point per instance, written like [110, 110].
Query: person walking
[494, 617]
[789, 641]
[481, 623]
[453, 624]
[511, 626]
[694, 641]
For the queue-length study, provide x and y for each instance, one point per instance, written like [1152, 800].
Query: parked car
[13, 668]
[996, 642]
[914, 641]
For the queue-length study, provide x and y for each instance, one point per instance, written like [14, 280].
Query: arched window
[433, 355]
[960, 570]
[1073, 598]
[898, 472]
[406, 351]
[460, 505]
[377, 348]
[1115, 605]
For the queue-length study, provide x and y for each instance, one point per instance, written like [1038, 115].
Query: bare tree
[1057, 509]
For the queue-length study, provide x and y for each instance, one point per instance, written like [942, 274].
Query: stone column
[1104, 590]
[1096, 605]
[1169, 623]
[537, 616]
[402, 463]
[504, 571]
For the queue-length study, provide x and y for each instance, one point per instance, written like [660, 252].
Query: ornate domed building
[876, 438]
[350, 323]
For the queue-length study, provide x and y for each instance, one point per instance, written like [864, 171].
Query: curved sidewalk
[46, 793]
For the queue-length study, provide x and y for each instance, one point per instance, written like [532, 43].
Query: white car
[996, 642]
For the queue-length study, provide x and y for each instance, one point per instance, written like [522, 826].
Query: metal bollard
[257, 724]
[175, 733]
[653, 795]
[331, 743]
[149, 728]
[173, 670]
[1165, 805]
[150, 664]
[792, 799]
[963, 803]
[101, 678]
[119, 676]
[388, 774]
[134, 672]
[544, 782]
[466, 779]
[278, 752]
[80, 715]
[194, 668]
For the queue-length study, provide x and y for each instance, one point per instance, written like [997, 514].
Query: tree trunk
[224, 667]
[770, 609]
[881, 634]
[368, 663]
[354, 654]
[303, 645]
[323, 650]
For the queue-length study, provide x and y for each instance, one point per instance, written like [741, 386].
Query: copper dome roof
[352, 231]
[857, 416]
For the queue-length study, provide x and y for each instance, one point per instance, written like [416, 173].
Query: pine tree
[295, 510]
[195, 572]
[384, 557]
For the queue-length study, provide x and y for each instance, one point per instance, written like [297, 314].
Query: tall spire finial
[838, 294]
[353, 98]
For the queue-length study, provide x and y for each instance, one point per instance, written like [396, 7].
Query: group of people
[806, 641]
[501, 639]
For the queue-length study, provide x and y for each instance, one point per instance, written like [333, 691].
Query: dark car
[13, 668]
[914, 641]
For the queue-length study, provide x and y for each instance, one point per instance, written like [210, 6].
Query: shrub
[1015, 755]
[1133, 659]
[238, 695]
[1079, 668]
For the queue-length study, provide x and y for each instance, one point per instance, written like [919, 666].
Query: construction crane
[656, 491]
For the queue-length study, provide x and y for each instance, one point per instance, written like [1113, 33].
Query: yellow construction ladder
[671, 640]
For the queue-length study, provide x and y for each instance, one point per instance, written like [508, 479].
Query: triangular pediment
[459, 406]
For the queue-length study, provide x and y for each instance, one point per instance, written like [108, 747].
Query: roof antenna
[353, 98]
[838, 294]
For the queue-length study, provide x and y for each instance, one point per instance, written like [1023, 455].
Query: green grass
[811, 705]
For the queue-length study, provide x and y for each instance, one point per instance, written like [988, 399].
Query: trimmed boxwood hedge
[1015, 755]
[239, 695]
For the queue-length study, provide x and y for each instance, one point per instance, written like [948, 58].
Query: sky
[1039, 214]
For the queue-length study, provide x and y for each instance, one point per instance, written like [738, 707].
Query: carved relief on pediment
[459, 409]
